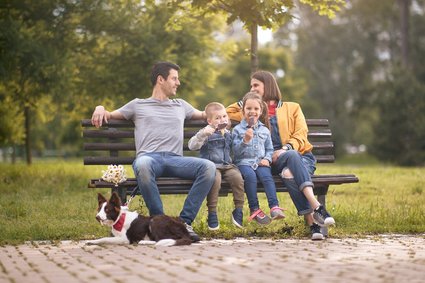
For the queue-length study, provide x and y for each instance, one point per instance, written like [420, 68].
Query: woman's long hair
[271, 88]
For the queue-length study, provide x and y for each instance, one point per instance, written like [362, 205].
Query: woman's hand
[277, 153]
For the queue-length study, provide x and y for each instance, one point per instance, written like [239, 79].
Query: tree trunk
[254, 48]
[404, 31]
[28, 134]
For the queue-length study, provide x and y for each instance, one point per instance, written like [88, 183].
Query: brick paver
[378, 259]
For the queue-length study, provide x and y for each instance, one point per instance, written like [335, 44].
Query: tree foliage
[353, 61]
[61, 58]
[32, 56]
[253, 13]
[234, 81]
[264, 13]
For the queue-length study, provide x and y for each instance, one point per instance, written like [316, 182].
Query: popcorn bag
[114, 174]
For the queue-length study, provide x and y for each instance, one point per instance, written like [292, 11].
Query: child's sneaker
[237, 217]
[213, 221]
[260, 217]
[322, 217]
[276, 213]
[316, 234]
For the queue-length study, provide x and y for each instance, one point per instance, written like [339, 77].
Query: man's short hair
[162, 69]
[212, 107]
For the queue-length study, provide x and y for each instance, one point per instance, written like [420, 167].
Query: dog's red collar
[119, 223]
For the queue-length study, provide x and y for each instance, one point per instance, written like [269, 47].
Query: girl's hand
[249, 134]
[264, 162]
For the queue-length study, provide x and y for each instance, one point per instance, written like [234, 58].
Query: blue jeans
[264, 174]
[149, 166]
[301, 167]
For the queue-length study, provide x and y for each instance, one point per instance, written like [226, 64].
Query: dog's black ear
[100, 198]
[115, 200]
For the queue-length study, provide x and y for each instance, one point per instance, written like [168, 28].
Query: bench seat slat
[167, 184]
[171, 181]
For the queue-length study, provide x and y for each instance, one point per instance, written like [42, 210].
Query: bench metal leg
[321, 197]
[122, 193]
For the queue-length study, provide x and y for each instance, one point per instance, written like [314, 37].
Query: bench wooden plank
[108, 133]
[169, 185]
[186, 184]
[98, 146]
[197, 123]
[122, 134]
[121, 146]
[107, 160]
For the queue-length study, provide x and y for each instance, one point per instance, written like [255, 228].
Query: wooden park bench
[113, 143]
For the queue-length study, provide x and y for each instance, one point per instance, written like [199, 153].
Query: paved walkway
[380, 259]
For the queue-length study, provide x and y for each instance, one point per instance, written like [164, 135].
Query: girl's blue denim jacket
[260, 147]
[215, 148]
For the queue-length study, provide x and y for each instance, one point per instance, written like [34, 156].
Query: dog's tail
[172, 242]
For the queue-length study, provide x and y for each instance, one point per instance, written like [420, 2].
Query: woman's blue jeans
[149, 166]
[250, 176]
[301, 167]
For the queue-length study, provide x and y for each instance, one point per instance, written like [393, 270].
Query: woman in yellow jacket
[292, 157]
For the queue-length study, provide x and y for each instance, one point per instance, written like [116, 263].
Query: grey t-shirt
[158, 124]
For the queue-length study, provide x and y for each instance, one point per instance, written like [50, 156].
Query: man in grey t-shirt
[159, 122]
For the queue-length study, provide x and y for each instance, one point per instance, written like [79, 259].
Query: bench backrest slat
[122, 134]
[102, 146]
[196, 123]
[110, 146]
[106, 160]
[114, 142]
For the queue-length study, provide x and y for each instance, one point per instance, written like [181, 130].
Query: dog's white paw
[166, 243]
[91, 243]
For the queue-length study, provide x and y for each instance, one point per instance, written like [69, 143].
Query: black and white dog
[129, 227]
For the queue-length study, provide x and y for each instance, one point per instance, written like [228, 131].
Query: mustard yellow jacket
[290, 121]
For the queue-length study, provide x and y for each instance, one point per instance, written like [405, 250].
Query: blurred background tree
[256, 13]
[361, 69]
[59, 59]
[351, 64]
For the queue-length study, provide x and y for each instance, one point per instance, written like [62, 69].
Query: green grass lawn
[50, 201]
